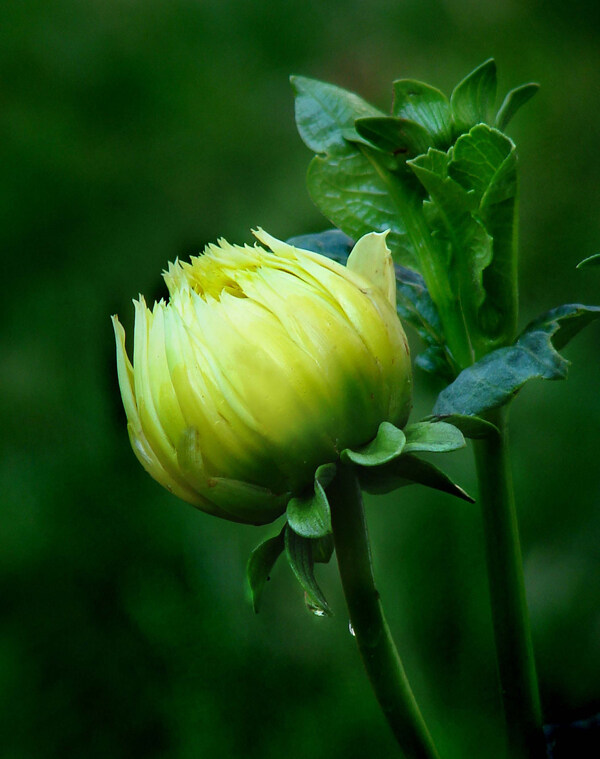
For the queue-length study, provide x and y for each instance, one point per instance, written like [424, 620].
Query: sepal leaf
[300, 556]
[309, 515]
[408, 470]
[496, 378]
[260, 564]
[385, 446]
[434, 437]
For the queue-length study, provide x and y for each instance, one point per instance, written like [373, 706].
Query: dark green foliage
[496, 379]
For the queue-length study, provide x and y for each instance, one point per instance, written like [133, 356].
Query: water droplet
[351, 630]
[318, 611]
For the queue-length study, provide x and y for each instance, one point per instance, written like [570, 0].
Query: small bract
[265, 363]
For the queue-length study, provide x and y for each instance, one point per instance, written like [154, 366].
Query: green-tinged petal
[238, 501]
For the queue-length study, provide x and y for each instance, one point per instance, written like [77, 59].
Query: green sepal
[309, 515]
[400, 137]
[387, 445]
[496, 378]
[513, 102]
[432, 436]
[260, 564]
[408, 470]
[589, 261]
[473, 427]
[420, 102]
[300, 556]
[473, 98]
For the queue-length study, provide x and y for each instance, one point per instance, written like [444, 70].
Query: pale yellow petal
[372, 259]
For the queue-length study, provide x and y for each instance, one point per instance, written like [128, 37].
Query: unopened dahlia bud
[265, 363]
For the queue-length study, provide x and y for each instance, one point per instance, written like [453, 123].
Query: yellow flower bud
[265, 363]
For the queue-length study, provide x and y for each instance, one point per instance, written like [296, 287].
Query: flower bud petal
[372, 258]
[263, 365]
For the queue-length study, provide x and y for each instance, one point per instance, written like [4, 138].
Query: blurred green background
[134, 132]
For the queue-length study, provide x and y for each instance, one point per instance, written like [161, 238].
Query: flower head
[265, 363]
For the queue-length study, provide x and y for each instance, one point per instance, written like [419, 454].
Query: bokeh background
[136, 131]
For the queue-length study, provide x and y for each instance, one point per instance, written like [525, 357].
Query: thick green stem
[516, 665]
[375, 643]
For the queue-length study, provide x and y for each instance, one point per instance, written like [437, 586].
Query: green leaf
[260, 564]
[396, 136]
[473, 427]
[299, 553]
[309, 515]
[484, 162]
[468, 245]
[589, 261]
[385, 446]
[408, 470]
[356, 192]
[332, 243]
[432, 436]
[514, 100]
[473, 98]
[495, 379]
[417, 101]
[324, 113]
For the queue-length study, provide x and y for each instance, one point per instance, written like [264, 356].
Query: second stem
[512, 635]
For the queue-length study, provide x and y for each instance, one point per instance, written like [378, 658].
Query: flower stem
[512, 634]
[373, 637]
